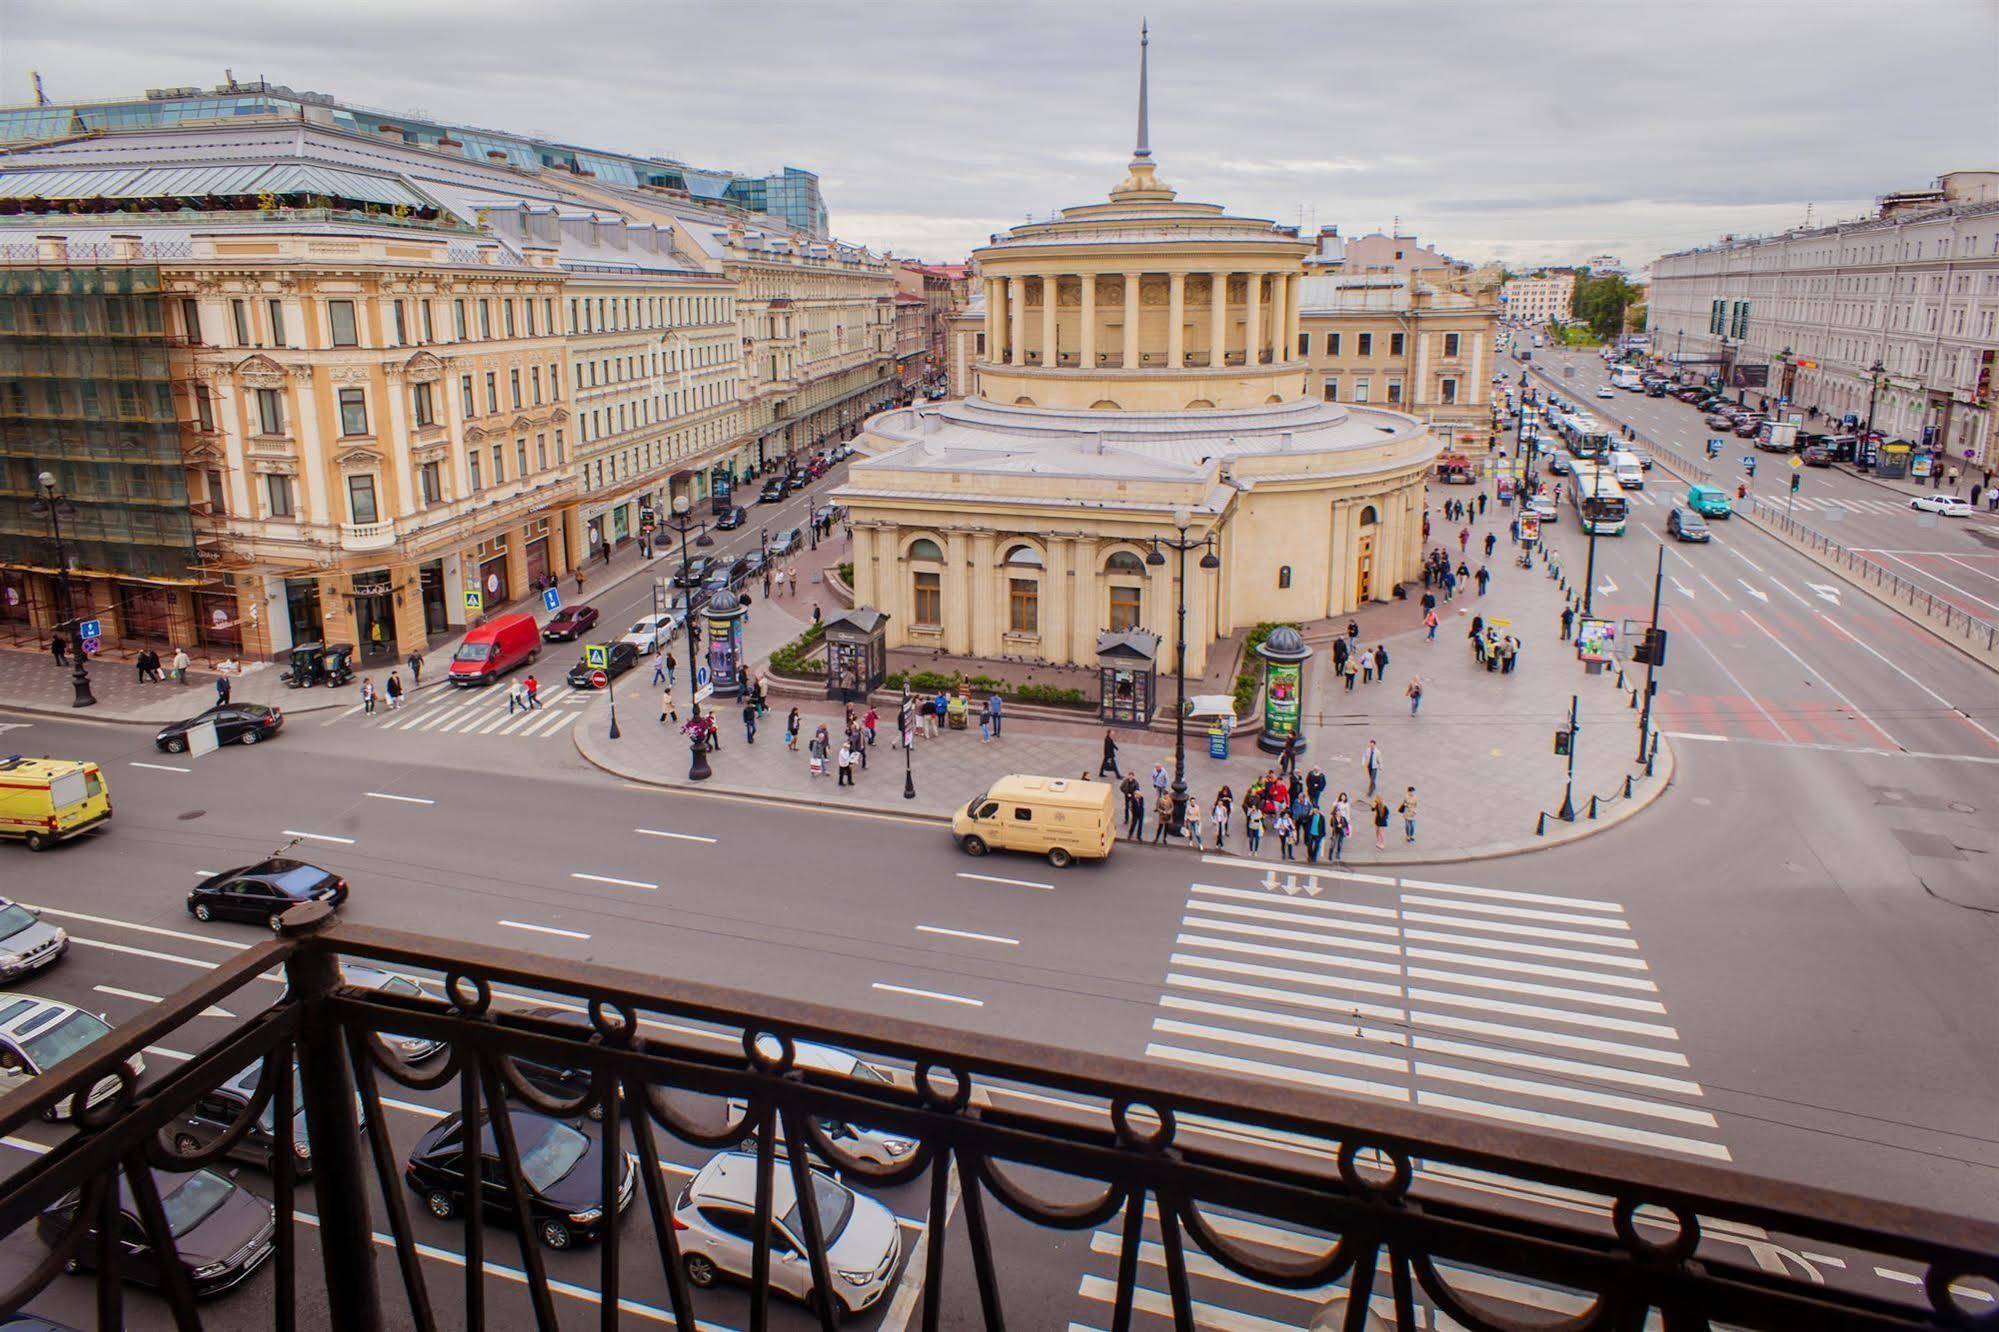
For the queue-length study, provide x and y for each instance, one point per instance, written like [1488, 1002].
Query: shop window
[928, 602]
[361, 500]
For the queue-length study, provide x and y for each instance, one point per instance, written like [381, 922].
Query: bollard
[1627, 786]
[1634, 700]
[1620, 677]
[1541, 824]
[1592, 807]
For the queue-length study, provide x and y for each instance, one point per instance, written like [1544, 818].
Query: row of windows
[616, 314]
[595, 372]
[1364, 344]
[617, 418]
[95, 399]
[639, 459]
[1447, 391]
[410, 322]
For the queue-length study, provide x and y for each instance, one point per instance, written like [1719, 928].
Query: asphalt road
[1784, 965]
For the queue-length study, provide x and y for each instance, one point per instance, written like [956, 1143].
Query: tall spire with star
[1142, 183]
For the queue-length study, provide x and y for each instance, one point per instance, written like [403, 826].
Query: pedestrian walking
[533, 688]
[1285, 830]
[750, 723]
[1430, 623]
[791, 731]
[139, 666]
[1351, 673]
[659, 662]
[368, 696]
[1160, 781]
[1366, 667]
[517, 697]
[1491, 540]
[1481, 505]
[1407, 809]
[1338, 827]
[1414, 692]
[667, 707]
[846, 765]
[1464, 538]
[221, 691]
[1224, 806]
[1315, 834]
[1381, 663]
[1252, 825]
[1380, 808]
[1315, 785]
[395, 691]
[993, 711]
[416, 671]
[1110, 757]
[180, 664]
[59, 649]
[1568, 621]
[1190, 827]
[1371, 761]
[985, 727]
[871, 721]
[1483, 576]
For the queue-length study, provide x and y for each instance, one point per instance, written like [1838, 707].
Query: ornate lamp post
[54, 504]
[1874, 373]
[681, 519]
[1156, 557]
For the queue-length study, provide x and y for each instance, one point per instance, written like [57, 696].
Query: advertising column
[1284, 655]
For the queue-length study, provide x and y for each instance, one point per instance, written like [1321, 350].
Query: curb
[325, 702]
[1576, 832]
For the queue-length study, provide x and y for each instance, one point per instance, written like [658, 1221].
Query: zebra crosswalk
[480, 712]
[1529, 1009]
[1656, 495]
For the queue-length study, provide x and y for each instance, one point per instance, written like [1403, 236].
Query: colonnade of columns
[1259, 328]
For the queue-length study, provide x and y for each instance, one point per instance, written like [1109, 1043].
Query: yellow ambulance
[1062, 818]
[46, 800]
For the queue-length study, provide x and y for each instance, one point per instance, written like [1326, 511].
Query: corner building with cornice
[1139, 370]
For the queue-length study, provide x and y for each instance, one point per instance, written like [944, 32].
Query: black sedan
[220, 1233]
[619, 658]
[570, 623]
[263, 892]
[693, 573]
[557, 1081]
[560, 1165]
[235, 723]
[730, 518]
[774, 490]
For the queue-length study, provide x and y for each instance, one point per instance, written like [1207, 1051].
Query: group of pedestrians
[522, 695]
[1352, 662]
[1293, 810]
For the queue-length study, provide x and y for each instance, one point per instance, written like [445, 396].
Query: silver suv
[716, 1217]
[37, 1034]
[26, 942]
[875, 1146]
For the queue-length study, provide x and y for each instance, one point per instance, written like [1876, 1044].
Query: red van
[492, 649]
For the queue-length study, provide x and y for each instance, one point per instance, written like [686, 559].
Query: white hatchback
[716, 1216]
[1954, 506]
[650, 629]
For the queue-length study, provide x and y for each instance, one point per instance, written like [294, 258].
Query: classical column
[1252, 323]
[1087, 353]
[1016, 307]
[312, 463]
[1218, 319]
[1051, 288]
[1176, 314]
[1294, 285]
[995, 318]
[956, 589]
[1131, 284]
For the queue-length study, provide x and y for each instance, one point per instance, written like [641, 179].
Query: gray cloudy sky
[1493, 128]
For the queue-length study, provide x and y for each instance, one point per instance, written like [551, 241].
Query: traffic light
[1651, 649]
[1563, 739]
[1797, 483]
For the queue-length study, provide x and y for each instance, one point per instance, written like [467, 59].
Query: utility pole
[1651, 664]
[1568, 812]
[1589, 572]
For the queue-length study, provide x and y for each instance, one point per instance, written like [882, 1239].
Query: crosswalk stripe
[1528, 931]
[539, 721]
[1321, 979]
[447, 712]
[1331, 1053]
[499, 719]
[1486, 1054]
[1293, 954]
[1532, 950]
[1306, 905]
[1515, 986]
[1348, 1028]
[1328, 938]
[1289, 917]
[514, 723]
[1569, 1124]
[1277, 1072]
[1507, 1031]
[1578, 1095]
[1531, 969]
[1510, 895]
[1517, 913]
[1484, 1004]
[562, 719]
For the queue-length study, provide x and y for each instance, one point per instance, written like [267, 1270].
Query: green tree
[1600, 302]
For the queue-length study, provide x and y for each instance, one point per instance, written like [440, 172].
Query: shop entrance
[146, 612]
[537, 557]
[302, 606]
[1364, 575]
[493, 582]
[374, 616]
[430, 578]
[216, 620]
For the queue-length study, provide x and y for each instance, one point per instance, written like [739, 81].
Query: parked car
[263, 892]
[1817, 455]
[36, 1034]
[1747, 427]
[788, 543]
[774, 490]
[694, 572]
[215, 1112]
[412, 1049]
[221, 1232]
[754, 564]
[872, 1145]
[1690, 394]
[492, 649]
[646, 633]
[570, 623]
[561, 1082]
[619, 657]
[827, 514]
[27, 943]
[1605, 391]
[1951, 506]
[716, 1217]
[561, 1168]
[730, 518]
[235, 724]
[1687, 525]
[1717, 421]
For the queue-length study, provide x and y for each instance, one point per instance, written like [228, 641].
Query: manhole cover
[191, 814]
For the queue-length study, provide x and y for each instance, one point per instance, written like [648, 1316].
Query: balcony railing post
[340, 1176]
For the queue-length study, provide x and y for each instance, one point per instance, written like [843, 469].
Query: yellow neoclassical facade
[1140, 374]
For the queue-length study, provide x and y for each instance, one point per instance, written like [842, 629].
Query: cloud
[1529, 129]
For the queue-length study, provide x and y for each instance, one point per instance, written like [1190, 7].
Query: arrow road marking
[1825, 592]
[1758, 593]
[1684, 590]
[1606, 586]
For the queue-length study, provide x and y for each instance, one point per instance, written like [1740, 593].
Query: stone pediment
[358, 457]
[473, 434]
[260, 372]
[204, 453]
[423, 368]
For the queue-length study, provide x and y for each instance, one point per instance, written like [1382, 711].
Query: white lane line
[1744, 558]
[351, 711]
[213, 1010]
[967, 934]
[406, 800]
[1879, 730]
[1756, 592]
[517, 722]
[131, 951]
[317, 837]
[1717, 587]
[1740, 687]
[930, 994]
[1911, 679]
[144, 929]
[1294, 954]
[436, 715]
[621, 883]
[1698, 735]
[1324, 940]
[159, 767]
[543, 929]
[499, 720]
[1014, 883]
[1942, 582]
[676, 836]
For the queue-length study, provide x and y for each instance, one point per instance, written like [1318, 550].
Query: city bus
[1584, 435]
[1626, 377]
[1599, 500]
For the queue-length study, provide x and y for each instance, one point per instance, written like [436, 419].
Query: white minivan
[1630, 473]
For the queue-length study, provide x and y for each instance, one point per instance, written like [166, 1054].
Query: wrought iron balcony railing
[1414, 1220]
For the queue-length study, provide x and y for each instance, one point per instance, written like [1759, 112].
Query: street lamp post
[906, 723]
[79, 678]
[1874, 373]
[681, 520]
[1182, 520]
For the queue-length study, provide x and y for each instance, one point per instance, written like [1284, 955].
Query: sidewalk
[32, 682]
[1479, 754]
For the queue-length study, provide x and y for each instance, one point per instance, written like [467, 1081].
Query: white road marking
[1518, 913]
[1293, 907]
[1015, 883]
[168, 1052]
[1526, 931]
[1510, 1033]
[1785, 588]
[562, 719]
[1696, 735]
[213, 1010]
[144, 929]
[1740, 688]
[1509, 895]
[1826, 592]
[407, 800]
[967, 934]
[1756, 592]
[676, 836]
[1607, 586]
[1942, 582]
[1717, 587]
[317, 837]
[1547, 1091]
[1276, 1072]
[1855, 707]
[621, 883]
[1531, 969]
[543, 929]
[1835, 624]
[1684, 590]
[1744, 558]
[1822, 1259]
[1569, 1124]
[930, 994]
[159, 767]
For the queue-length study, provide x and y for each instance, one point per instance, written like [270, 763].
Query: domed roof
[724, 602]
[1284, 644]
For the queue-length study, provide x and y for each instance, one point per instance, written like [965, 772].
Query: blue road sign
[552, 599]
[597, 657]
[92, 643]
[90, 629]
[701, 677]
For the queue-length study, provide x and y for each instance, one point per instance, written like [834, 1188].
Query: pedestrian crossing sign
[597, 657]
[474, 600]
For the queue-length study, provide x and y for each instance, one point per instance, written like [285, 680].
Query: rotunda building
[1139, 375]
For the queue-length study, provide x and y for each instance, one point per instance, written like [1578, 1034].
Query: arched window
[1197, 404]
[1024, 556]
[1368, 517]
[1283, 575]
[1272, 398]
[1125, 562]
[923, 548]
[1023, 402]
[1105, 405]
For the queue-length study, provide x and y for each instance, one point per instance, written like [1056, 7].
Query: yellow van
[44, 801]
[1058, 817]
